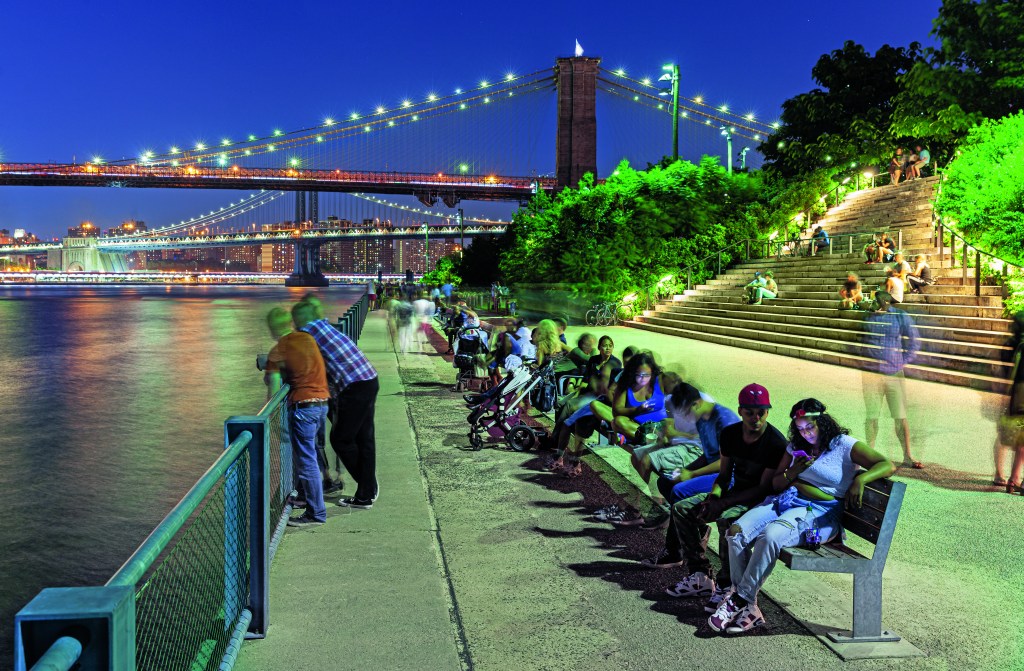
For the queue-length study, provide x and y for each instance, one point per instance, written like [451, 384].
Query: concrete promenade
[482, 560]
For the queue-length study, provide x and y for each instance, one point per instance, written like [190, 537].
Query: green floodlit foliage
[444, 271]
[984, 194]
[607, 240]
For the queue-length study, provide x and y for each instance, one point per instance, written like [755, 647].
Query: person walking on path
[817, 471]
[750, 452]
[896, 344]
[355, 383]
[295, 359]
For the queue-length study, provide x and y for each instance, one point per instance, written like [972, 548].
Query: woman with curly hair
[545, 337]
[819, 469]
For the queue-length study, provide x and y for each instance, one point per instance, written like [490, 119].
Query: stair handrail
[940, 228]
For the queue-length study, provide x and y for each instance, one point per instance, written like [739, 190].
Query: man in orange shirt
[296, 359]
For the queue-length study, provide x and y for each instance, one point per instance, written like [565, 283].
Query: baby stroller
[497, 411]
[470, 348]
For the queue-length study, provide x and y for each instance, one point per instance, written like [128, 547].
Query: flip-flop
[999, 482]
[916, 465]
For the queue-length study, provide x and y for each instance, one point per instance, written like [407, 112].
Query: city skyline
[113, 82]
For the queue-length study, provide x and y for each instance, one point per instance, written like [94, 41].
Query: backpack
[543, 396]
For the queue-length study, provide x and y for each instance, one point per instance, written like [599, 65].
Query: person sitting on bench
[817, 471]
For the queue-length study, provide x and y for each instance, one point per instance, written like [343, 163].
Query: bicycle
[609, 313]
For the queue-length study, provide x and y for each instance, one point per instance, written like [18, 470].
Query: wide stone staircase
[964, 338]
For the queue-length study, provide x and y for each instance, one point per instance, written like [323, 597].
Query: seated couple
[765, 490]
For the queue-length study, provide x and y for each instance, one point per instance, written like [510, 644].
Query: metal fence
[199, 584]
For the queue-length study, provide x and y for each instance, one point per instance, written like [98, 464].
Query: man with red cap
[750, 451]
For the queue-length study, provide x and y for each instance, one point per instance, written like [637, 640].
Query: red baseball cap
[754, 396]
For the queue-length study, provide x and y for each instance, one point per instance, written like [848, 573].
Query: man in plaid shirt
[354, 387]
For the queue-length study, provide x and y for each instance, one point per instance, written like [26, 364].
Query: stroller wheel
[521, 438]
[475, 440]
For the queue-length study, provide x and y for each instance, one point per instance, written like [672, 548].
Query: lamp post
[743, 158]
[672, 75]
[727, 132]
[462, 231]
[426, 248]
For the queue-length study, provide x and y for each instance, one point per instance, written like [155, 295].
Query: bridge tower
[306, 271]
[576, 150]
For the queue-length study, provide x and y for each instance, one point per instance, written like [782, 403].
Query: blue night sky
[113, 78]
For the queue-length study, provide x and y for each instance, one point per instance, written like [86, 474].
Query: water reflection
[113, 402]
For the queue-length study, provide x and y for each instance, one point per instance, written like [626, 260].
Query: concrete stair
[964, 338]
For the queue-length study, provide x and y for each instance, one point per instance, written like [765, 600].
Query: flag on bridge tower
[579, 49]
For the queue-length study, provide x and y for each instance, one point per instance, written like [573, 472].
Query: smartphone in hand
[800, 453]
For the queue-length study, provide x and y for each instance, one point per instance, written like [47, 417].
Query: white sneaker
[695, 584]
[724, 615]
[716, 598]
[748, 618]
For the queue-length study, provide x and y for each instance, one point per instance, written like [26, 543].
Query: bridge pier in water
[306, 271]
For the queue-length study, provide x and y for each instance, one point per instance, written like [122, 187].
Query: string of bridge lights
[223, 214]
[406, 106]
[710, 119]
[749, 117]
[425, 212]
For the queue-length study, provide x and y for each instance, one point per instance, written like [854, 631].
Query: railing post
[977, 273]
[689, 278]
[830, 246]
[964, 246]
[101, 619]
[899, 239]
[850, 238]
[748, 249]
[942, 242]
[259, 515]
[952, 251]
[719, 263]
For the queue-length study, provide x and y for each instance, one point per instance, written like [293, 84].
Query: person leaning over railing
[295, 359]
[355, 383]
[818, 469]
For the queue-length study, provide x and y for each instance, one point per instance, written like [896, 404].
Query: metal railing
[968, 252]
[199, 584]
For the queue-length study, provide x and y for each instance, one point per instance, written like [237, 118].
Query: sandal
[574, 471]
[999, 481]
[916, 465]
[1014, 488]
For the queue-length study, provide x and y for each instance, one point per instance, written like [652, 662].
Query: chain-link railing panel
[189, 602]
[280, 461]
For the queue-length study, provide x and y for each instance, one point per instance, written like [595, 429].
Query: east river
[112, 403]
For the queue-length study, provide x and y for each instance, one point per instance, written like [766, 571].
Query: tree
[976, 73]
[846, 122]
[478, 264]
[983, 195]
[625, 234]
[444, 271]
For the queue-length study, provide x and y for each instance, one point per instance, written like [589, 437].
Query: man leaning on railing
[354, 383]
[296, 359]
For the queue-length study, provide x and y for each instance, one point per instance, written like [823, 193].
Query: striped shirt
[345, 363]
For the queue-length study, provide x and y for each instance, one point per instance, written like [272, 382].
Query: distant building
[84, 230]
[129, 227]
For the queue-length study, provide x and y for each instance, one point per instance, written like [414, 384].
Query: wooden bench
[874, 521]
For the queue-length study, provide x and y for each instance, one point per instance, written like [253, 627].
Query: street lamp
[672, 75]
[727, 132]
[426, 248]
[743, 158]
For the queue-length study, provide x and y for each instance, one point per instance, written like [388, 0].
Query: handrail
[135, 568]
[940, 228]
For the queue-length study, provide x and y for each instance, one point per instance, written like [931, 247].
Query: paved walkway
[482, 560]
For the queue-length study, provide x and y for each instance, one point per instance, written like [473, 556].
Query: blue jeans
[305, 423]
[698, 485]
[765, 531]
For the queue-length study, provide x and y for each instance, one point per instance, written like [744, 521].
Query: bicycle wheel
[592, 318]
[604, 317]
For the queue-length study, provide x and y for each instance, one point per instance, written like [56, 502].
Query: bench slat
[864, 514]
[876, 499]
[861, 528]
[884, 486]
[833, 558]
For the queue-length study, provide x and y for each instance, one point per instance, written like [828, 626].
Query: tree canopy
[976, 73]
[845, 122]
[984, 192]
[625, 234]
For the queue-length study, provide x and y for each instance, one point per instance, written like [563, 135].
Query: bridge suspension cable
[699, 114]
[407, 112]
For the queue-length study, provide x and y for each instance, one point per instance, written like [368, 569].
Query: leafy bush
[626, 234]
[984, 193]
